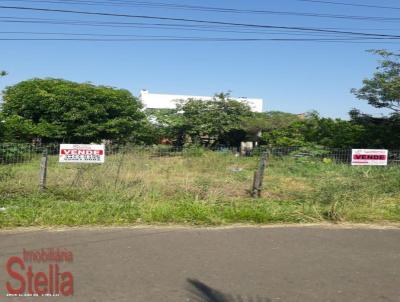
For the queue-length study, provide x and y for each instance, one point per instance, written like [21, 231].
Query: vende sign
[86, 154]
[369, 157]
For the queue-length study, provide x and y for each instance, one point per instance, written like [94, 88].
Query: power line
[162, 26]
[351, 4]
[158, 25]
[177, 27]
[95, 37]
[170, 37]
[197, 21]
[212, 9]
[191, 40]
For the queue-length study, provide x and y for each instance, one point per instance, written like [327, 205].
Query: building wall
[168, 101]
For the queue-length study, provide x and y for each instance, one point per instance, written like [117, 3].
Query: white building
[168, 101]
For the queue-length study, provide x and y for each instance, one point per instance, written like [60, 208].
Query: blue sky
[290, 76]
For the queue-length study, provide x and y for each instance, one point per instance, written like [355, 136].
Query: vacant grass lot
[204, 188]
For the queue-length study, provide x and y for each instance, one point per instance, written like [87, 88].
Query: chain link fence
[14, 153]
[336, 155]
[143, 172]
[129, 171]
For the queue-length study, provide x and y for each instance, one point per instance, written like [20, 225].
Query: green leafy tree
[217, 121]
[167, 124]
[63, 111]
[278, 119]
[285, 129]
[379, 132]
[337, 133]
[3, 73]
[383, 89]
[265, 123]
[289, 136]
[312, 129]
[15, 129]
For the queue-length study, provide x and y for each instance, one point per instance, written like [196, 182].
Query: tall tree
[312, 129]
[60, 110]
[383, 89]
[214, 121]
[380, 132]
[167, 125]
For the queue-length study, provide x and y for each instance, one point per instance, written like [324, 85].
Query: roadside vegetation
[197, 188]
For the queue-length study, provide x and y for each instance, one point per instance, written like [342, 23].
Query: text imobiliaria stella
[26, 281]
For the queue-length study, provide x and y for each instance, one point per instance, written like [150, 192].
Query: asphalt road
[237, 264]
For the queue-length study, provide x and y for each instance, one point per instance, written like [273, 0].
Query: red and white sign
[369, 157]
[86, 154]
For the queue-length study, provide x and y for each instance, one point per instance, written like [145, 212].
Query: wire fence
[20, 153]
[129, 172]
[151, 172]
[335, 155]
[15, 153]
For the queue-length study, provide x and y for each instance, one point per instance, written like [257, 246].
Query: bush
[14, 153]
[193, 151]
[310, 152]
[6, 173]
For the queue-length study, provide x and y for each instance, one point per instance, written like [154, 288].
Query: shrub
[14, 153]
[193, 151]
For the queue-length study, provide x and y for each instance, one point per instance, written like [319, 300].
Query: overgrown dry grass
[207, 188]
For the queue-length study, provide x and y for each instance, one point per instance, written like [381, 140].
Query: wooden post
[256, 181]
[43, 171]
[259, 176]
[119, 168]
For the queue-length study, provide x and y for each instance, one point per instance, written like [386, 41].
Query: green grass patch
[207, 188]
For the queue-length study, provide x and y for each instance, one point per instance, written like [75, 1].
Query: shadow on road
[200, 292]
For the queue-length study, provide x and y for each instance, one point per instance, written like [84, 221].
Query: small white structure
[168, 101]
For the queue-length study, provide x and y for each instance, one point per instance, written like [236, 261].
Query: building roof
[168, 101]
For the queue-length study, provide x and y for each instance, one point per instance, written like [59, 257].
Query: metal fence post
[259, 176]
[43, 170]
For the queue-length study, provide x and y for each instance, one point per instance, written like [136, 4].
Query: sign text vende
[81, 152]
[369, 157]
[75, 153]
